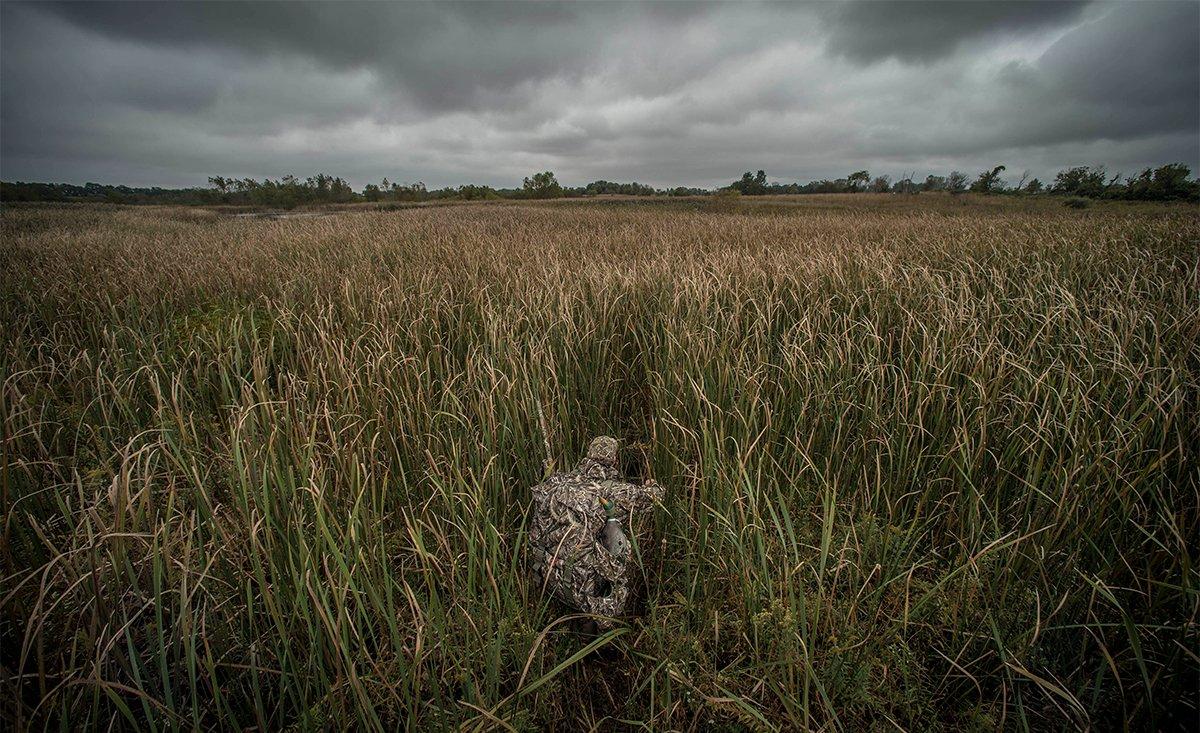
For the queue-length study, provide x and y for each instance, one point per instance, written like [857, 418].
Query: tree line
[1170, 182]
[1166, 183]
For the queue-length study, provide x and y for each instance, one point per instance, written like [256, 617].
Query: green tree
[751, 184]
[956, 182]
[906, 185]
[1080, 181]
[472, 192]
[857, 179]
[542, 186]
[934, 183]
[989, 181]
[1168, 182]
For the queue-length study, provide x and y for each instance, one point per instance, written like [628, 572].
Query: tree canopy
[542, 186]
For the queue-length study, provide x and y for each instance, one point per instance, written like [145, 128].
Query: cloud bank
[671, 93]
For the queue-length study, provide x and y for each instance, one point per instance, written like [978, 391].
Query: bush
[1076, 202]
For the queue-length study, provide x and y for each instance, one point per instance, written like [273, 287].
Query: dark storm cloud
[1120, 76]
[150, 93]
[445, 55]
[925, 30]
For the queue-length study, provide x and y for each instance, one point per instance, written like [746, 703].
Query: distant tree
[881, 184]
[989, 181]
[596, 188]
[907, 185]
[1166, 183]
[1114, 188]
[472, 192]
[956, 182]
[934, 183]
[97, 193]
[1173, 181]
[783, 188]
[751, 184]
[340, 191]
[840, 185]
[542, 186]
[1081, 181]
[857, 179]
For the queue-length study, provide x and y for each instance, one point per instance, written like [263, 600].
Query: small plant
[1076, 202]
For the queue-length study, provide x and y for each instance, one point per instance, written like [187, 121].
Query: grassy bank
[927, 468]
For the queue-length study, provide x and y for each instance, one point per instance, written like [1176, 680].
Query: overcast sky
[669, 93]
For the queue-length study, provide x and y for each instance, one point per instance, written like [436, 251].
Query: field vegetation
[929, 464]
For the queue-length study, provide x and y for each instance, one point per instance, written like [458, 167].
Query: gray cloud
[665, 93]
[444, 55]
[926, 30]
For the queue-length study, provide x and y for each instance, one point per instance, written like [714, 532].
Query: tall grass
[924, 468]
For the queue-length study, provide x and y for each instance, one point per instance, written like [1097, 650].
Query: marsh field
[930, 464]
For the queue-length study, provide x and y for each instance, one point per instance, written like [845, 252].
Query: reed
[927, 465]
